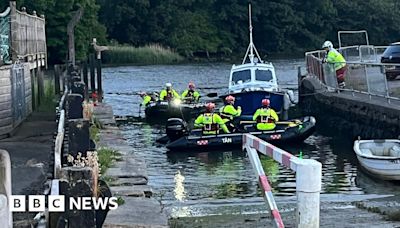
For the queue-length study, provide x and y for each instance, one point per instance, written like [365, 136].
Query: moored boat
[254, 80]
[290, 131]
[379, 157]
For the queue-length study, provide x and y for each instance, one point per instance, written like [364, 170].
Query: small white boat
[379, 157]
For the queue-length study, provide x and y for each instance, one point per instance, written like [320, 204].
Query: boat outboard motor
[175, 128]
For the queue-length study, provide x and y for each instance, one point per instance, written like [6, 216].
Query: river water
[206, 183]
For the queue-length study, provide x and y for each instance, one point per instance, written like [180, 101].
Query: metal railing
[365, 77]
[5, 190]
[363, 53]
[60, 134]
[308, 181]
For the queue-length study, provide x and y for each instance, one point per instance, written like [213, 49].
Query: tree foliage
[280, 26]
[58, 13]
[215, 26]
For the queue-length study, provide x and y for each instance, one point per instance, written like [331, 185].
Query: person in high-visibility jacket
[339, 63]
[229, 112]
[168, 94]
[191, 95]
[265, 116]
[147, 99]
[210, 122]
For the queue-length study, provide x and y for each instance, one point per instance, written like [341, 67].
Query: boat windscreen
[263, 75]
[244, 76]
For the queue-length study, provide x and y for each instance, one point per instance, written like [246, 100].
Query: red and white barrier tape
[279, 155]
[263, 181]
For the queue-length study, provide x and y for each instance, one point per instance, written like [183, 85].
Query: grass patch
[94, 130]
[147, 55]
[107, 157]
[120, 201]
[48, 100]
[94, 133]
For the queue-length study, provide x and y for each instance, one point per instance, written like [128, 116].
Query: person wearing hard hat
[210, 122]
[265, 116]
[339, 63]
[191, 95]
[229, 112]
[168, 94]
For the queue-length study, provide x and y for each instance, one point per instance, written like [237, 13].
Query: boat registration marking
[226, 140]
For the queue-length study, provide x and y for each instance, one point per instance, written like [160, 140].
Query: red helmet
[191, 85]
[210, 107]
[230, 99]
[265, 102]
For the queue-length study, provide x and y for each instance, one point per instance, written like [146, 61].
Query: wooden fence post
[99, 80]
[85, 78]
[92, 73]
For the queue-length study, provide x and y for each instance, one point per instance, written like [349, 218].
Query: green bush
[147, 55]
[48, 100]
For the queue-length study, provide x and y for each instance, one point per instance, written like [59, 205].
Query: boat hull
[251, 101]
[162, 111]
[291, 134]
[375, 156]
[386, 169]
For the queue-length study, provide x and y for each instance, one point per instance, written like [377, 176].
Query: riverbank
[127, 178]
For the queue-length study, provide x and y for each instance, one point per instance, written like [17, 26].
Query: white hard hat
[327, 44]
[168, 84]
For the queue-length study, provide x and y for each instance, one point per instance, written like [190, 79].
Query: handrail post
[263, 181]
[5, 185]
[308, 179]
[308, 188]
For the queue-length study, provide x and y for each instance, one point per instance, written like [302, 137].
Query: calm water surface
[223, 181]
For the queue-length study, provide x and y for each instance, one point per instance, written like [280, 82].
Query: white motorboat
[379, 157]
[254, 80]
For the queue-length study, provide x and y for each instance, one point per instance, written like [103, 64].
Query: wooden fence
[22, 55]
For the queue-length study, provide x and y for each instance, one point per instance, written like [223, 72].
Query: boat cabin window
[263, 75]
[244, 76]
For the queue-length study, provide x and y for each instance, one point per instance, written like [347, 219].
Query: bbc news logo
[57, 203]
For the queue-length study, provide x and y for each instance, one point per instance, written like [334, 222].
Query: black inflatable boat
[162, 111]
[178, 138]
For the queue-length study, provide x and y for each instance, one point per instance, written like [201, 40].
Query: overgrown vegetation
[94, 130]
[213, 27]
[94, 133]
[107, 157]
[48, 100]
[149, 54]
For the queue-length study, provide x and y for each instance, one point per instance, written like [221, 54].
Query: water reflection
[199, 179]
[179, 187]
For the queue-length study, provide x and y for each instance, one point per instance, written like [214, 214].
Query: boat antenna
[251, 48]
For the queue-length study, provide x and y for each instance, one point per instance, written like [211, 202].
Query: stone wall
[356, 114]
